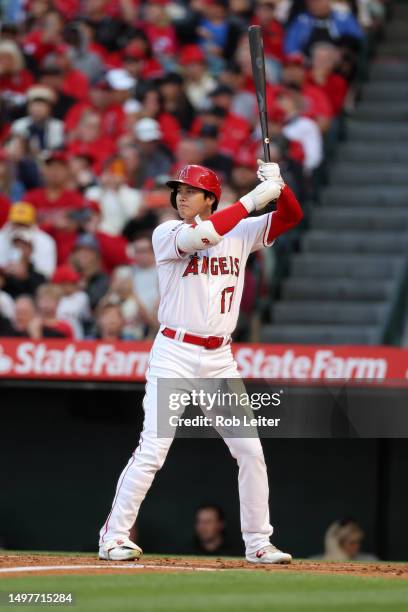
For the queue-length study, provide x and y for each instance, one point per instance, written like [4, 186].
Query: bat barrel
[258, 70]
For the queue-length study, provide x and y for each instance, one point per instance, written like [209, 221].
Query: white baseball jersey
[201, 293]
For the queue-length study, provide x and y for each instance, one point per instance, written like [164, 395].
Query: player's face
[192, 202]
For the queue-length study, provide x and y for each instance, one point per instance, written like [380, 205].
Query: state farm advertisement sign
[128, 361]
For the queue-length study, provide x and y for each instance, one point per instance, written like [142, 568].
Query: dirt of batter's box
[171, 564]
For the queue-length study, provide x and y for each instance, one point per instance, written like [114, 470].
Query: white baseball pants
[173, 359]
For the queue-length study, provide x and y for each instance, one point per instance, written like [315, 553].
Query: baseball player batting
[201, 263]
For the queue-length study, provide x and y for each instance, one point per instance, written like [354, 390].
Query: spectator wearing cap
[198, 81]
[6, 301]
[86, 259]
[39, 127]
[47, 300]
[22, 216]
[220, 163]
[55, 197]
[101, 100]
[137, 319]
[316, 103]
[134, 59]
[74, 303]
[139, 61]
[88, 139]
[175, 101]
[155, 161]
[122, 84]
[152, 106]
[21, 275]
[14, 78]
[302, 129]
[118, 202]
[320, 23]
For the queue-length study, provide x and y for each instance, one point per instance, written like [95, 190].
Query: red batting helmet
[196, 176]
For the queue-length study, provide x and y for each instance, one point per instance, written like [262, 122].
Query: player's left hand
[269, 170]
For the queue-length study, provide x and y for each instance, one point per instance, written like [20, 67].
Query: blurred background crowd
[101, 101]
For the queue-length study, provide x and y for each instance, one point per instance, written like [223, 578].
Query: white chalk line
[46, 568]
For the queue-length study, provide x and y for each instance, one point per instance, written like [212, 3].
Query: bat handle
[267, 151]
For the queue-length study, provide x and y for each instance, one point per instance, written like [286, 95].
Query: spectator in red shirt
[47, 300]
[88, 140]
[75, 83]
[14, 78]
[73, 223]
[54, 197]
[4, 209]
[101, 101]
[325, 57]
[234, 130]
[318, 105]
[273, 32]
[160, 32]
[138, 58]
[45, 38]
[153, 107]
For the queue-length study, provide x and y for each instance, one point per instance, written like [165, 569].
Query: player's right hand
[265, 192]
[268, 170]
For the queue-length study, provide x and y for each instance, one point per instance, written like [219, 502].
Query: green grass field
[230, 591]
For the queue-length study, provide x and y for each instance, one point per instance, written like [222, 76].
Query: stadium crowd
[101, 101]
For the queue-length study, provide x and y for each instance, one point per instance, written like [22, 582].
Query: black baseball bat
[258, 70]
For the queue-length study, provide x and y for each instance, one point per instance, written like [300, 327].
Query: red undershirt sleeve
[225, 220]
[288, 213]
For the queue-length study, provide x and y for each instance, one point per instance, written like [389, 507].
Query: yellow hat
[23, 213]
